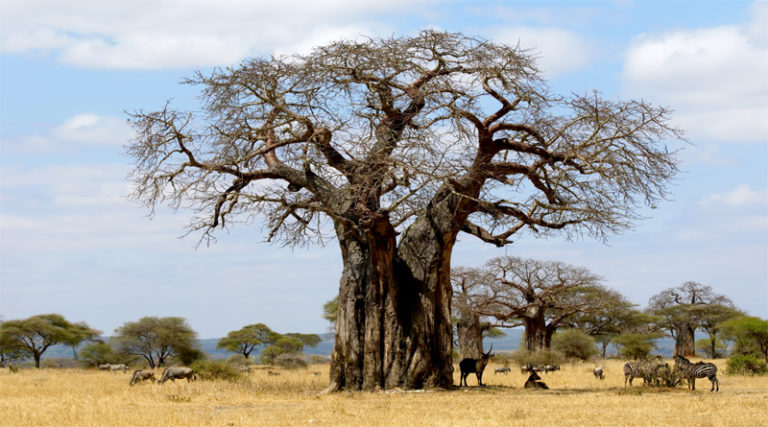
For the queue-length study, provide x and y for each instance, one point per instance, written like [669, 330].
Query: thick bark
[685, 342]
[394, 317]
[536, 332]
[470, 335]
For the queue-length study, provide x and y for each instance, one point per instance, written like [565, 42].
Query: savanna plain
[74, 397]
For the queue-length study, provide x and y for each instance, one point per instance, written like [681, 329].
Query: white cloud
[741, 196]
[559, 51]
[80, 131]
[177, 33]
[713, 77]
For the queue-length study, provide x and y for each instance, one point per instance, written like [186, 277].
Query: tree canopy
[400, 143]
[31, 337]
[682, 309]
[155, 338]
[246, 339]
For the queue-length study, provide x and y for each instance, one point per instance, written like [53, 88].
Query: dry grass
[93, 398]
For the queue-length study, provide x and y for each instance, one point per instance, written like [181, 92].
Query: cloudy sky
[71, 243]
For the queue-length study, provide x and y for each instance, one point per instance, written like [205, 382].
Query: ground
[74, 397]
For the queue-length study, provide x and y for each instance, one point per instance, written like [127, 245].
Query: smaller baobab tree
[470, 301]
[682, 309]
[539, 295]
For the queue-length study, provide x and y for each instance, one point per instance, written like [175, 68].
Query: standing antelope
[477, 366]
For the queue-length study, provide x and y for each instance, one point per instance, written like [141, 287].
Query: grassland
[96, 398]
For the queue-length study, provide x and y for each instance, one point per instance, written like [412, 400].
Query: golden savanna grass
[94, 398]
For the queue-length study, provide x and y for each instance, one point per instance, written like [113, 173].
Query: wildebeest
[598, 372]
[550, 368]
[112, 367]
[505, 370]
[468, 366]
[533, 382]
[142, 375]
[177, 373]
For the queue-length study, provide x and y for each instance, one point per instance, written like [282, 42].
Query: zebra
[636, 369]
[691, 371]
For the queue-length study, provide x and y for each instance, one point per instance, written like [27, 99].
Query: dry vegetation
[96, 398]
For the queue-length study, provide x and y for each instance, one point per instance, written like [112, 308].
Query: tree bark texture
[394, 319]
[470, 335]
[685, 344]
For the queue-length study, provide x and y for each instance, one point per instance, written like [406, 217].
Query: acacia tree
[401, 144]
[681, 310]
[155, 338]
[613, 316]
[246, 339]
[31, 337]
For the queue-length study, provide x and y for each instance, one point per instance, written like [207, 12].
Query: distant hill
[509, 342]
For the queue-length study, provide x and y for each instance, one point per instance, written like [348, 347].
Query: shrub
[291, 361]
[537, 358]
[635, 346]
[189, 355]
[747, 364]
[268, 355]
[317, 359]
[574, 344]
[216, 370]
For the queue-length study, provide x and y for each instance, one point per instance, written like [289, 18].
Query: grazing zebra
[691, 371]
[636, 369]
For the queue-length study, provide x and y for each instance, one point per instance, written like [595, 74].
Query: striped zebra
[691, 371]
[635, 369]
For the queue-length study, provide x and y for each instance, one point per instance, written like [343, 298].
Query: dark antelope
[534, 382]
[468, 366]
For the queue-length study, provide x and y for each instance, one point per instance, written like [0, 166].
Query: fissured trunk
[685, 341]
[536, 335]
[394, 321]
[470, 335]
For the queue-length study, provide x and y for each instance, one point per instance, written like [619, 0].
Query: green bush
[747, 364]
[291, 361]
[635, 346]
[537, 358]
[574, 344]
[216, 370]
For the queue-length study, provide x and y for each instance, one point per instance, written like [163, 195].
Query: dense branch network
[384, 128]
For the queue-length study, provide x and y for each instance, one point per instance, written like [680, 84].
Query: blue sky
[71, 243]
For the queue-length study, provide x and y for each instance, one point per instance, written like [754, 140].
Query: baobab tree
[542, 296]
[400, 144]
[469, 305]
[683, 309]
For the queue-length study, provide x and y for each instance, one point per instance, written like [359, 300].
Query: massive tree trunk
[686, 342]
[536, 335]
[394, 318]
[469, 332]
